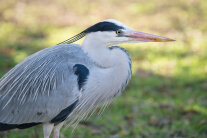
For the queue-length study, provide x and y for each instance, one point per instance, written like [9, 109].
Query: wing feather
[39, 87]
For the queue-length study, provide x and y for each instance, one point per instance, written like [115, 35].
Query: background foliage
[167, 94]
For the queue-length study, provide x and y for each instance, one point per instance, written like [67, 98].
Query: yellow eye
[118, 32]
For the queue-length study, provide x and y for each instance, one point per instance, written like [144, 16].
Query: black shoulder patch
[82, 72]
[103, 26]
[4, 127]
[64, 114]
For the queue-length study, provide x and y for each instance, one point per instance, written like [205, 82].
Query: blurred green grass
[167, 94]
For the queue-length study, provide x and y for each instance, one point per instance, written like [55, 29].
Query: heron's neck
[98, 52]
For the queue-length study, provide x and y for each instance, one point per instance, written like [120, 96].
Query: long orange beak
[145, 37]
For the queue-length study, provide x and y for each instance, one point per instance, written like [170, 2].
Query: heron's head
[110, 32]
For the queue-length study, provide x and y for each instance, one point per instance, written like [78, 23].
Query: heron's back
[41, 83]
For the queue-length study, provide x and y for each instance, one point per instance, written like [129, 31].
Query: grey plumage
[31, 90]
[40, 82]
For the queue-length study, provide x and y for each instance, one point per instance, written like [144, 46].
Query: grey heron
[67, 81]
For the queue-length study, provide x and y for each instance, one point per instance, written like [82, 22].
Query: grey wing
[40, 87]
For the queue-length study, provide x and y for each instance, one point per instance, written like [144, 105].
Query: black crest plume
[74, 38]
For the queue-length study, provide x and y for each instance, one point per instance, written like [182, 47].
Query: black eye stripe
[103, 26]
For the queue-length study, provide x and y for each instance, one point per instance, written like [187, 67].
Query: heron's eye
[118, 31]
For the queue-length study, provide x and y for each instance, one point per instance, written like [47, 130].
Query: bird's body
[64, 81]
[59, 84]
